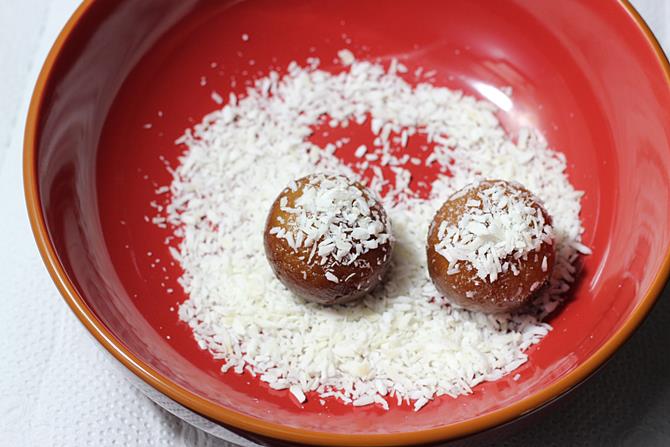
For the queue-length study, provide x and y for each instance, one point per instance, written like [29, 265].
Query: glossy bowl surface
[125, 78]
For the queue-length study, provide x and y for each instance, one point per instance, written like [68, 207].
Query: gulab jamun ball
[328, 239]
[491, 247]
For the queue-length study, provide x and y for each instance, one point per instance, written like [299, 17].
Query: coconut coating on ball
[491, 247]
[328, 239]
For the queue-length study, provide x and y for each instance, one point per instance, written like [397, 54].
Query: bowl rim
[255, 425]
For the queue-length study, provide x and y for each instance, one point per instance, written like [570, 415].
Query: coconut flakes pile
[335, 219]
[402, 342]
[499, 228]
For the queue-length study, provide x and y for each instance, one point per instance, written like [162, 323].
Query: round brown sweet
[509, 291]
[306, 273]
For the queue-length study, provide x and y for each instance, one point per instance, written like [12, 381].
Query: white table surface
[53, 390]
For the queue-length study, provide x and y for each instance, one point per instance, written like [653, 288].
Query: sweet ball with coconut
[491, 247]
[328, 239]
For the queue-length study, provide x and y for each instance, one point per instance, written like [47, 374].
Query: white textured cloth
[58, 389]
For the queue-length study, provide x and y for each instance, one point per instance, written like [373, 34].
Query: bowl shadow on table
[625, 403]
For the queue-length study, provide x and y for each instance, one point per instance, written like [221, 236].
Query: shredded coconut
[332, 278]
[402, 343]
[360, 151]
[335, 218]
[346, 56]
[217, 98]
[297, 392]
[503, 223]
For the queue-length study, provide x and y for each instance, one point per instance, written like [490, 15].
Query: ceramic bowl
[588, 74]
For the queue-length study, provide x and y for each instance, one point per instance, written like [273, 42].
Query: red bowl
[588, 74]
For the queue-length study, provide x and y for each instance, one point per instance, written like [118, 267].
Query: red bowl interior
[582, 72]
